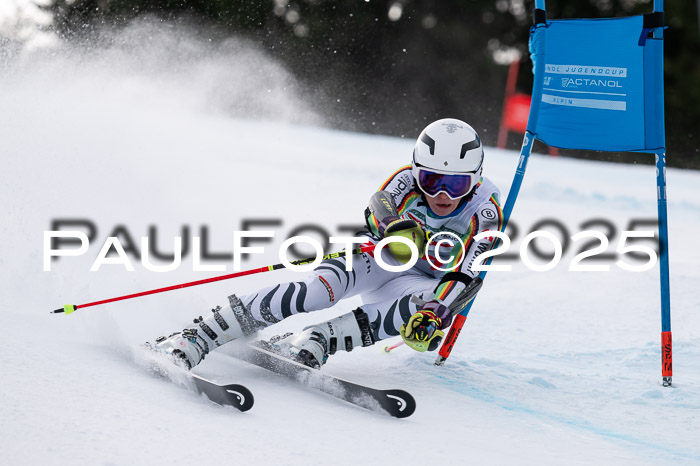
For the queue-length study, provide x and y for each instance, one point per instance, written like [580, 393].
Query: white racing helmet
[448, 158]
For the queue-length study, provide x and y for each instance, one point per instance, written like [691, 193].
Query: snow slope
[555, 367]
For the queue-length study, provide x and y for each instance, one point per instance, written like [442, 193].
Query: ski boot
[314, 344]
[189, 347]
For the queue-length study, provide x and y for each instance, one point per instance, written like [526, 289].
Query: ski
[165, 367]
[234, 395]
[397, 403]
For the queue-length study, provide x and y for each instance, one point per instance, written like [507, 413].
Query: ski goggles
[455, 186]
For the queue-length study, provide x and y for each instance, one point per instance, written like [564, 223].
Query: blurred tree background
[392, 66]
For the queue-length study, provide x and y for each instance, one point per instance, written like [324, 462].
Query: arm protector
[383, 220]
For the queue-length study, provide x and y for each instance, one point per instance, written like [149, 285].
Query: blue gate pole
[460, 318]
[666, 341]
[525, 151]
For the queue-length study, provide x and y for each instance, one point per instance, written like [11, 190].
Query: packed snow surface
[553, 367]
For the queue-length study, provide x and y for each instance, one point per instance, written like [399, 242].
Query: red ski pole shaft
[69, 308]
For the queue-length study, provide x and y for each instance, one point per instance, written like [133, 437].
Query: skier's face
[441, 204]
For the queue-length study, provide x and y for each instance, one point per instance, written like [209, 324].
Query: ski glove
[410, 230]
[423, 331]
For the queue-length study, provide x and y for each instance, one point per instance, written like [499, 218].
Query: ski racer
[440, 196]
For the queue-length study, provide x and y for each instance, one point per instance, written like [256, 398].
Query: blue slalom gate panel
[601, 85]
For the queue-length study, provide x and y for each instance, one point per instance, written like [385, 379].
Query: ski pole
[69, 308]
[456, 327]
